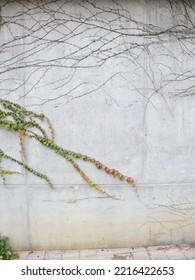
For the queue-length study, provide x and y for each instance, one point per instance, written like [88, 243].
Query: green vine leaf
[28, 124]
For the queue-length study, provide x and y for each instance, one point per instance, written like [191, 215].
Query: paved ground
[167, 252]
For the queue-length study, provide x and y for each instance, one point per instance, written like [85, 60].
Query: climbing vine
[28, 124]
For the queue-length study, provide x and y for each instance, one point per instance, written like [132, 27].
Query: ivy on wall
[29, 124]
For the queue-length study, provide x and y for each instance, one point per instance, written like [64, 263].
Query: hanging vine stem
[21, 120]
[38, 174]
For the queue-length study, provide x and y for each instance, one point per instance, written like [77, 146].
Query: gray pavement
[167, 252]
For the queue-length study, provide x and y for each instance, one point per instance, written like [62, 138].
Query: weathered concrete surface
[71, 219]
[121, 112]
[182, 252]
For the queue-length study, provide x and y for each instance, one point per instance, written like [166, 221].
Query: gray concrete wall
[115, 87]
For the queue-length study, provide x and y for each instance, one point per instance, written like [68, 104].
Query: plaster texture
[124, 111]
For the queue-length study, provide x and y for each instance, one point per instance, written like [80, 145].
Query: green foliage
[5, 252]
[27, 124]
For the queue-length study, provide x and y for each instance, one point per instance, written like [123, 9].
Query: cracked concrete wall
[111, 95]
